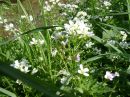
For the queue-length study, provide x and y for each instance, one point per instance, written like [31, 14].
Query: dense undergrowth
[67, 48]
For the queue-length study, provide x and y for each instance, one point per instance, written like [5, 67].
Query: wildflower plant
[69, 48]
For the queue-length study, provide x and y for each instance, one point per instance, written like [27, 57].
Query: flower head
[83, 71]
[110, 75]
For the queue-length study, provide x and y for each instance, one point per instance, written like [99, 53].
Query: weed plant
[65, 48]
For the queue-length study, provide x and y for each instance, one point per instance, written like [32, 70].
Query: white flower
[77, 58]
[124, 35]
[9, 27]
[124, 44]
[110, 75]
[78, 27]
[64, 43]
[22, 65]
[33, 42]
[106, 3]
[16, 64]
[41, 41]
[112, 42]
[97, 50]
[31, 18]
[18, 82]
[63, 80]
[47, 7]
[64, 72]
[83, 71]
[54, 52]
[89, 44]
[117, 74]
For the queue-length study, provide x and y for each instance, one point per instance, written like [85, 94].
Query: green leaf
[128, 70]
[97, 39]
[28, 79]
[115, 48]
[92, 59]
[7, 92]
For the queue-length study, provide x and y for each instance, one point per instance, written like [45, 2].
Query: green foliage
[66, 48]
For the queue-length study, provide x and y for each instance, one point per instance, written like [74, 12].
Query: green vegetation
[65, 48]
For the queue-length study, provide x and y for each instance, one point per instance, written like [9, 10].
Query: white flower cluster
[110, 76]
[65, 75]
[24, 17]
[54, 52]
[89, 44]
[50, 4]
[124, 44]
[69, 7]
[78, 26]
[112, 42]
[2, 20]
[23, 66]
[106, 3]
[35, 42]
[9, 27]
[124, 35]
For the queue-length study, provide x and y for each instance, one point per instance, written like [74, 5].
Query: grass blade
[7, 92]
[28, 79]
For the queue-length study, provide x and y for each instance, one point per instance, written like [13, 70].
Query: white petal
[86, 69]
[86, 74]
[79, 71]
[81, 66]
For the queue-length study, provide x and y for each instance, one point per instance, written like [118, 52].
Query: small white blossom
[106, 3]
[9, 27]
[124, 44]
[124, 35]
[64, 43]
[22, 65]
[33, 42]
[112, 42]
[41, 41]
[110, 75]
[63, 80]
[54, 52]
[89, 44]
[31, 18]
[47, 7]
[64, 72]
[83, 71]
[77, 58]
[18, 82]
